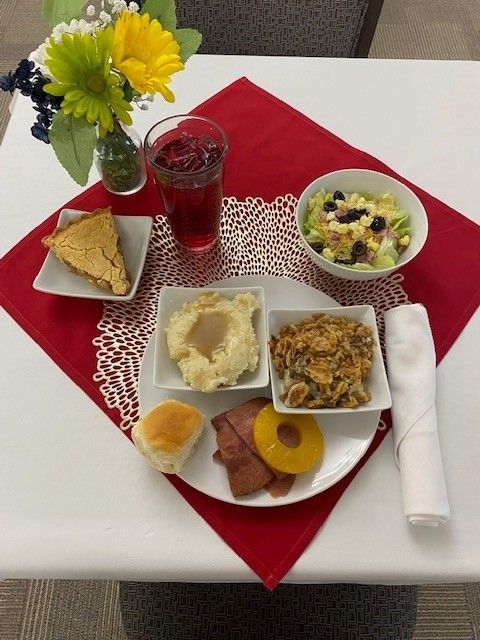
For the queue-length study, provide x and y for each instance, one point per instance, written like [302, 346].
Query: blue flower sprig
[30, 82]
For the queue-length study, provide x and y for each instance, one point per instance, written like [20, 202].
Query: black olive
[338, 195]
[378, 223]
[356, 214]
[350, 216]
[329, 205]
[317, 246]
[359, 248]
[344, 260]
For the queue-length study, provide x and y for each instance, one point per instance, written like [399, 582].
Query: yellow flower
[145, 54]
[80, 64]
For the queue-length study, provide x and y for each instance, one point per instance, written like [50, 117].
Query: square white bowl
[55, 278]
[166, 372]
[377, 382]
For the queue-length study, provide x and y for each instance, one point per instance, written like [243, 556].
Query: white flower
[105, 17]
[119, 6]
[84, 27]
[133, 7]
[38, 56]
[90, 10]
[60, 29]
[75, 26]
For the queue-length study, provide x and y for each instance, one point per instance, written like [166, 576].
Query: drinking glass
[187, 155]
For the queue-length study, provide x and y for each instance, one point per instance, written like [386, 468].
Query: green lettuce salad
[358, 230]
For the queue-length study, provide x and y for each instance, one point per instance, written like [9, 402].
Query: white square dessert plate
[55, 278]
[377, 382]
[167, 374]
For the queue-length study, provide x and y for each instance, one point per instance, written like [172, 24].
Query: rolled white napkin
[411, 374]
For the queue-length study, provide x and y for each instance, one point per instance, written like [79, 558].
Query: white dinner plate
[55, 278]
[346, 437]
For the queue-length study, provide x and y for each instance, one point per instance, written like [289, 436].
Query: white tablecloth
[76, 501]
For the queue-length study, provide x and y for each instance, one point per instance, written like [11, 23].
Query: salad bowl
[407, 219]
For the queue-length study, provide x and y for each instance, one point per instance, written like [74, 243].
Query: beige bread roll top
[167, 434]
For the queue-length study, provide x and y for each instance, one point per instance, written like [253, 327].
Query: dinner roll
[167, 435]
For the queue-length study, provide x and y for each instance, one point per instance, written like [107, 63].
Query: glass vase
[120, 160]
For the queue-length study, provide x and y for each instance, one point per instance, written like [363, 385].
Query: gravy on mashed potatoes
[212, 339]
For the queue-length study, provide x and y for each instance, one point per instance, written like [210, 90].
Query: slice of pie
[90, 247]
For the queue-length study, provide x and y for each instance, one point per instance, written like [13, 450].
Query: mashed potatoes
[213, 341]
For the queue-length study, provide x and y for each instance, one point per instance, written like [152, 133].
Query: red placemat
[264, 133]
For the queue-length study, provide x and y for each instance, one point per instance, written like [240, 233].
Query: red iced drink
[187, 161]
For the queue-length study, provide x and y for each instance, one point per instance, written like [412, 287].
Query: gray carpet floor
[92, 610]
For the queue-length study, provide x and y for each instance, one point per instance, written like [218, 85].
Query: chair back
[331, 28]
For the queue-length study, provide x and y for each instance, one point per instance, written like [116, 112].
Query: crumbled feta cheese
[342, 228]
[331, 216]
[328, 254]
[353, 225]
[370, 207]
[365, 221]
[333, 225]
[372, 245]
[405, 241]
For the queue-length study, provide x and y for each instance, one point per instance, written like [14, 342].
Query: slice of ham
[218, 421]
[217, 456]
[277, 488]
[280, 488]
[246, 472]
[242, 419]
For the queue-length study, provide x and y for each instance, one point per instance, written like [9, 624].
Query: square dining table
[74, 499]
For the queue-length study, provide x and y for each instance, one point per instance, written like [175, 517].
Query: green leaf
[128, 91]
[55, 11]
[73, 140]
[189, 41]
[164, 11]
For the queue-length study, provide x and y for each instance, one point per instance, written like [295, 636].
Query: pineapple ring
[280, 456]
